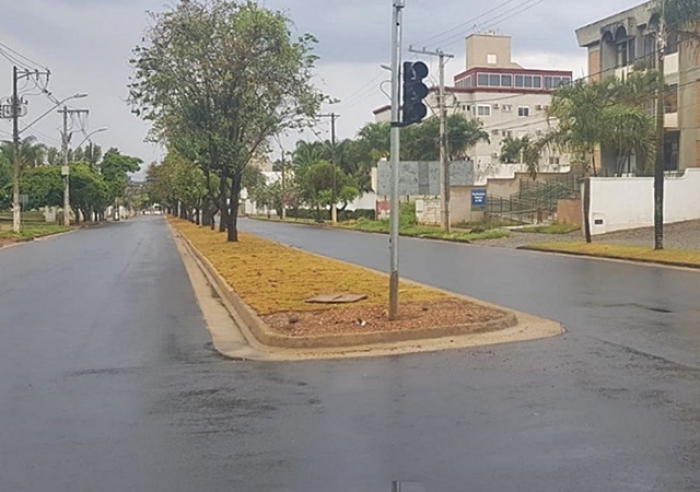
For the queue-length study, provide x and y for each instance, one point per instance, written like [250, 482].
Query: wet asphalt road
[108, 381]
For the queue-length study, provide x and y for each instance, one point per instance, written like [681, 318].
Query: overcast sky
[87, 43]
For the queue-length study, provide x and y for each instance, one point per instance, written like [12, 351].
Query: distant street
[109, 382]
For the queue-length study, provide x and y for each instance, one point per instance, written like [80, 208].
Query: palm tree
[606, 115]
[31, 152]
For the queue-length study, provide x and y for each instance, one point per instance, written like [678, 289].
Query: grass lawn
[623, 252]
[272, 277]
[31, 231]
[550, 229]
[424, 231]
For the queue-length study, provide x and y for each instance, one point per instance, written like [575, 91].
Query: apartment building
[509, 100]
[625, 42]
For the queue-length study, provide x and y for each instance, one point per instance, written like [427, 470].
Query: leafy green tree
[225, 77]
[512, 149]
[31, 152]
[89, 193]
[606, 114]
[53, 156]
[115, 169]
[316, 184]
[92, 155]
[78, 155]
[43, 187]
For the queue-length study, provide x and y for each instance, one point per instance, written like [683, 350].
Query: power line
[463, 24]
[21, 56]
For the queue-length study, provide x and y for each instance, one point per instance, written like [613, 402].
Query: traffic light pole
[398, 7]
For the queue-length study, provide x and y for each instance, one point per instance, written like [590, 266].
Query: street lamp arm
[74, 96]
[87, 137]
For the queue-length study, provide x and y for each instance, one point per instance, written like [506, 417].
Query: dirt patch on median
[373, 319]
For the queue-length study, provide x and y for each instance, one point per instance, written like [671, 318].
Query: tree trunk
[587, 209]
[233, 211]
[660, 162]
[223, 207]
[197, 215]
[77, 216]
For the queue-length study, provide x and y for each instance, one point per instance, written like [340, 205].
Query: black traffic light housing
[414, 91]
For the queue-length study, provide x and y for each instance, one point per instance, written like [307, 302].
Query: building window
[495, 133]
[494, 80]
[507, 133]
[482, 79]
[523, 111]
[625, 53]
[519, 81]
[506, 81]
[671, 99]
[468, 81]
[528, 81]
[554, 160]
[556, 82]
[537, 81]
[483, 110]
[507, 108]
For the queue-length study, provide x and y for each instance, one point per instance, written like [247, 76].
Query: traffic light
[414, 91]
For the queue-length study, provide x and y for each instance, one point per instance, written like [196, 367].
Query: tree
[92, 155]
[78, 155]
[224, 77]
[89, 193]
[31, 152]
[512, 149]
[606, 114]
[53, 156]
[316, 184]
[115, 169]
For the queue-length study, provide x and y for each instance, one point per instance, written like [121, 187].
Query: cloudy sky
[87, 43]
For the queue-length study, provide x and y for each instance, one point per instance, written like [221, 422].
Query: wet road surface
[108, 381]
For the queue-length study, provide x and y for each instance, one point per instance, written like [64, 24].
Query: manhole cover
[337, 298]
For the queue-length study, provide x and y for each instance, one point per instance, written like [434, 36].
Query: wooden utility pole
[444, 162]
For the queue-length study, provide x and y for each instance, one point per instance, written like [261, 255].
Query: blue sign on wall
[478, 198]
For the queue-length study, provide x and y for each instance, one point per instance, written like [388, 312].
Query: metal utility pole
[65, 169]
[334, 208]
[444, 164]
[398, 7]
[16, 210]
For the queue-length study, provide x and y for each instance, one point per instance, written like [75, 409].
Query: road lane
[108, 382]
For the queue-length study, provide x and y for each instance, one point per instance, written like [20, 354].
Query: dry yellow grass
[624, 252]
[272, 277]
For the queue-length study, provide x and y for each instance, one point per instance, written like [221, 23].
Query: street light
[87, 137]
[16, 211]
[79, 95]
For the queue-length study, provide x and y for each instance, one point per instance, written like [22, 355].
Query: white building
[510, 100]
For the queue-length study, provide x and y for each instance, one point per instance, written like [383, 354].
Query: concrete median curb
[270, 345]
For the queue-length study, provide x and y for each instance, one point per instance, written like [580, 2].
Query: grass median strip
[275, 280]
[622, 252]
[32, 231]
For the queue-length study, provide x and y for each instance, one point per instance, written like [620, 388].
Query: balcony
[671, 121]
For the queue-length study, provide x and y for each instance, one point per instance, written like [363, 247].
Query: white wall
[483, 172]
[628, 203]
